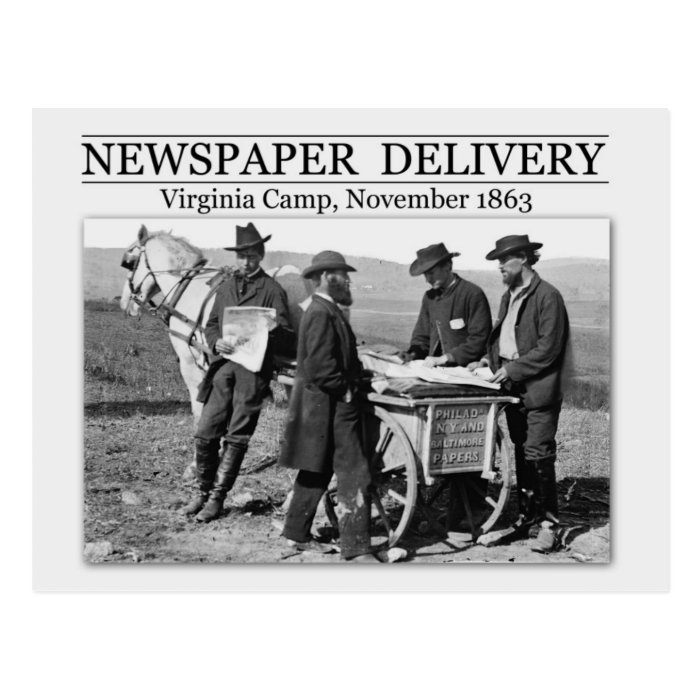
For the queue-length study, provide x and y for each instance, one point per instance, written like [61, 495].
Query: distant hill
[578, 279]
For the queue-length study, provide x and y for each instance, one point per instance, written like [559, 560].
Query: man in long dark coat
[527, 353]
[323, 432]
[232, 394]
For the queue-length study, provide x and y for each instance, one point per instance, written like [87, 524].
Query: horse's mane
[184, 253]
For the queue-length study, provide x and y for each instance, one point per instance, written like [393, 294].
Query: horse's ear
[143, 234]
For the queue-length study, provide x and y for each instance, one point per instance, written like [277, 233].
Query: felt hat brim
[327, 266]
[509, 249]
[252, 244]
[420, 267]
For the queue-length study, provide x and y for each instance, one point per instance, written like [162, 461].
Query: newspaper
[418, 369]
[247, 329]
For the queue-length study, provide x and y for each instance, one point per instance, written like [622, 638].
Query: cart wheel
[486, 498]
[494, 493]
[394, 486]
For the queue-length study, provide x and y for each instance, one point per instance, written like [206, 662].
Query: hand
[500, 376]
[436, 361]
[476, 365]
[223, 347]
[406, 356]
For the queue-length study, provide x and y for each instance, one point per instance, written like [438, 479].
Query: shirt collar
[254, 275]
[326, 297]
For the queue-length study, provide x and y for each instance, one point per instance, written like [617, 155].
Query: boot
[206, 463]
[526, 475]
[546, 505]
[226, 475]
[526, 512]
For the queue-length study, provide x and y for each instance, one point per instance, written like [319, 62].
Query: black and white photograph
[385, 391]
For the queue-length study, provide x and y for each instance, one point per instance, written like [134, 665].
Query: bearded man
[527, 353]
[323, 432]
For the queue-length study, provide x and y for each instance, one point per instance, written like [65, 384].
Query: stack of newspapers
[391, 367]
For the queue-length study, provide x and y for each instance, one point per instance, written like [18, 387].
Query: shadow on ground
[127, 409]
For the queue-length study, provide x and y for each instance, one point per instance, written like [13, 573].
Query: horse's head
[152, 257]
[140, 285]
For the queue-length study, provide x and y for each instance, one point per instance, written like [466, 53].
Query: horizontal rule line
[347, 136]
[345, 182]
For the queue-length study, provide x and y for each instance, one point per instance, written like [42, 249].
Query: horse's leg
[192, 376]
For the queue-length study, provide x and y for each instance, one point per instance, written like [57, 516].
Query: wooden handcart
[421, 441]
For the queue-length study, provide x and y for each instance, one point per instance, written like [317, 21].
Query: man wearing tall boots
[527, 352]
[232, 394]
[323, 432]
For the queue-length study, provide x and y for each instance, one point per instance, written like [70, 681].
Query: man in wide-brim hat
[232, 394]
[453, 325]
[454, 319]
[527, 352]
[323, 435]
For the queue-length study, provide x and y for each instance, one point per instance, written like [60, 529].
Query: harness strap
[179, 290]
[200, 316]
[192, 342]
[165, 310]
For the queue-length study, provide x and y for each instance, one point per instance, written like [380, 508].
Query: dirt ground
[134, 490]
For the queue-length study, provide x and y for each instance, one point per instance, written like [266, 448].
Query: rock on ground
[97, 551]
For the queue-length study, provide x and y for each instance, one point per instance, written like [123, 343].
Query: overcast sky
[387, 239]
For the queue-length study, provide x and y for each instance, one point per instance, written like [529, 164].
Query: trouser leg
[309, 488]
[249, 393]
[525, 471]
[352, 472]
[540, 450]
[217, 409]
[231, 411]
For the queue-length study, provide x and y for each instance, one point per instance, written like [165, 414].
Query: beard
[339, 291]
[512, 279]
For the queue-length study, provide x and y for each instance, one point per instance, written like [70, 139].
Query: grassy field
[134, 360]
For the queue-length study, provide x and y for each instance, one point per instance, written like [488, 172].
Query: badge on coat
[457, 324]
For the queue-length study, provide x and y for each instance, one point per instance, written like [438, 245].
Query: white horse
[162, 263]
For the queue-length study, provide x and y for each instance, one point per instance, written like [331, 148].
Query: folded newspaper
[247, 329]
[417, 369]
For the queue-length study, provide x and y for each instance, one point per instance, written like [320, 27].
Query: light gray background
[636, 201]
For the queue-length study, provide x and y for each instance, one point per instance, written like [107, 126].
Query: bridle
[130, 262]
[166, 308]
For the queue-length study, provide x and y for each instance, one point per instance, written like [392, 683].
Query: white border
[512, 53]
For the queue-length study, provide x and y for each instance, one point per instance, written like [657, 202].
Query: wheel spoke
[393, 468]
[397, 496]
